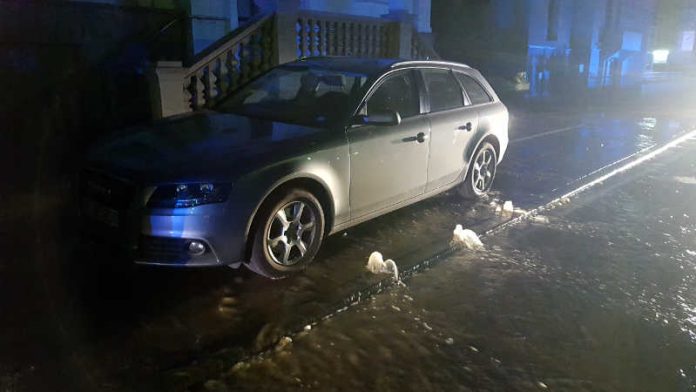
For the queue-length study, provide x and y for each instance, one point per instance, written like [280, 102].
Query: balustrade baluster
[188, 95]
[342, 40]
[323, 48]
[200, 88]
[235, 66]
[244, 70]
[364, 40]
[331, 43]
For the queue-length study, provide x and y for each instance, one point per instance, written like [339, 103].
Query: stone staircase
[276, 39]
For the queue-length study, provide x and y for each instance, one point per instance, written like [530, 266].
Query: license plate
[101, 213]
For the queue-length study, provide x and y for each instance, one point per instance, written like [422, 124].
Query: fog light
[196, 248]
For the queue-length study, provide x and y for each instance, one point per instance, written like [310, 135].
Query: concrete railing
[275, 39]
[323, 34]
[219, 70]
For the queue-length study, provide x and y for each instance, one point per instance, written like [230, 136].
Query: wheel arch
[308, 182]
[489, 138]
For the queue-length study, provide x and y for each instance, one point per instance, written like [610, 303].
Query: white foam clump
[466, 238]
[508, 207]
[377, 265]
[686, 180]
[540, 219]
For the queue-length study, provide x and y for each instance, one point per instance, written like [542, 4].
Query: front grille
[107, 190]
[163, 249]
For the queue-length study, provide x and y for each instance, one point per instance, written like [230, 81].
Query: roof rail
[434, 62]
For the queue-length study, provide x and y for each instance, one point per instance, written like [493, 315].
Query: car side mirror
[385, 118]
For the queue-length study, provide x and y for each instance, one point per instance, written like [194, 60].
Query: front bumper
[160, 236]
[165, 238]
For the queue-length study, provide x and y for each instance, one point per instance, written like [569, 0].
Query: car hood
[203, 146]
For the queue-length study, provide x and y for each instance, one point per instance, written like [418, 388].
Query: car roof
[369, 66]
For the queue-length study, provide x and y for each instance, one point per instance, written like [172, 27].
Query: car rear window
[477, 94]
[443, 90]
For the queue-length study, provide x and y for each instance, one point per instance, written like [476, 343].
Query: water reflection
[611, 309]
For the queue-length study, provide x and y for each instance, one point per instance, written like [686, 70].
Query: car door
[452, 125]
[389, 163]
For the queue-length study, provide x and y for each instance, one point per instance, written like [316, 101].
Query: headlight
[188, 195]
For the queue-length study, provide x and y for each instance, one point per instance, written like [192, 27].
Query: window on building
[398, 93]
[477, 94]
[687, 41]
[553, 22]
[443, 90]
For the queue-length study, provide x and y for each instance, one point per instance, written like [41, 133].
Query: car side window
[477, 94]
[443, 90]
[397, 93]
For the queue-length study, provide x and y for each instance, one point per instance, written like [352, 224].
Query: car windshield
[301, 95]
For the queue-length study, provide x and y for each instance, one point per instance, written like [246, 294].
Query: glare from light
[660, 56]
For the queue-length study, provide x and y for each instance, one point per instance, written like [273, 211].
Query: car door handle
[420, 138]
[466, 127]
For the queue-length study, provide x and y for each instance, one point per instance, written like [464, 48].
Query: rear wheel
[288, 232]
[482, 169]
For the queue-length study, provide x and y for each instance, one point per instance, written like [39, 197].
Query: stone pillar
[402, 34]
[168, 97]
[286, 34]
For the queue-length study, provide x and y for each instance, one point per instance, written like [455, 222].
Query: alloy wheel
[483, 171]
[291, 233]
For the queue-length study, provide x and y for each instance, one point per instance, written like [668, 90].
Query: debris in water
[466, 238]
[542, 385]
[307, 327]
[283, 343]
[474, 349]
[240, 366]
[429, 328]
[215, 386]
[508, 208]
[449, 341]
[398, 309]
[690, 252]
[686, 180]
[540, 219]
[377, 265]
[519, 211]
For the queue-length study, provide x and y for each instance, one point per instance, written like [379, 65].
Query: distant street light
[660, 56]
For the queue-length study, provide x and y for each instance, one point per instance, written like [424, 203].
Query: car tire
[481, 173]
[285, 243]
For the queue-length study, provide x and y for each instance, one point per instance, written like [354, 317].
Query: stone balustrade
[321, 34]
[275, 39]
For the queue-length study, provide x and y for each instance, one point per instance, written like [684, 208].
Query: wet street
[596, 294]
[612, 308]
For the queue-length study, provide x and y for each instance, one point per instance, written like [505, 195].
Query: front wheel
[288, 233]
[482, 168]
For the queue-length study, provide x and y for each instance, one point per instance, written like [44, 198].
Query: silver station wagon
[306, 150]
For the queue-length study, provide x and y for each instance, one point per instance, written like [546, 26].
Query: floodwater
[601, 298]
[85, 319]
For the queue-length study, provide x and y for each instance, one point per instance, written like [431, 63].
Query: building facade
[212, 19]
[553, 43]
